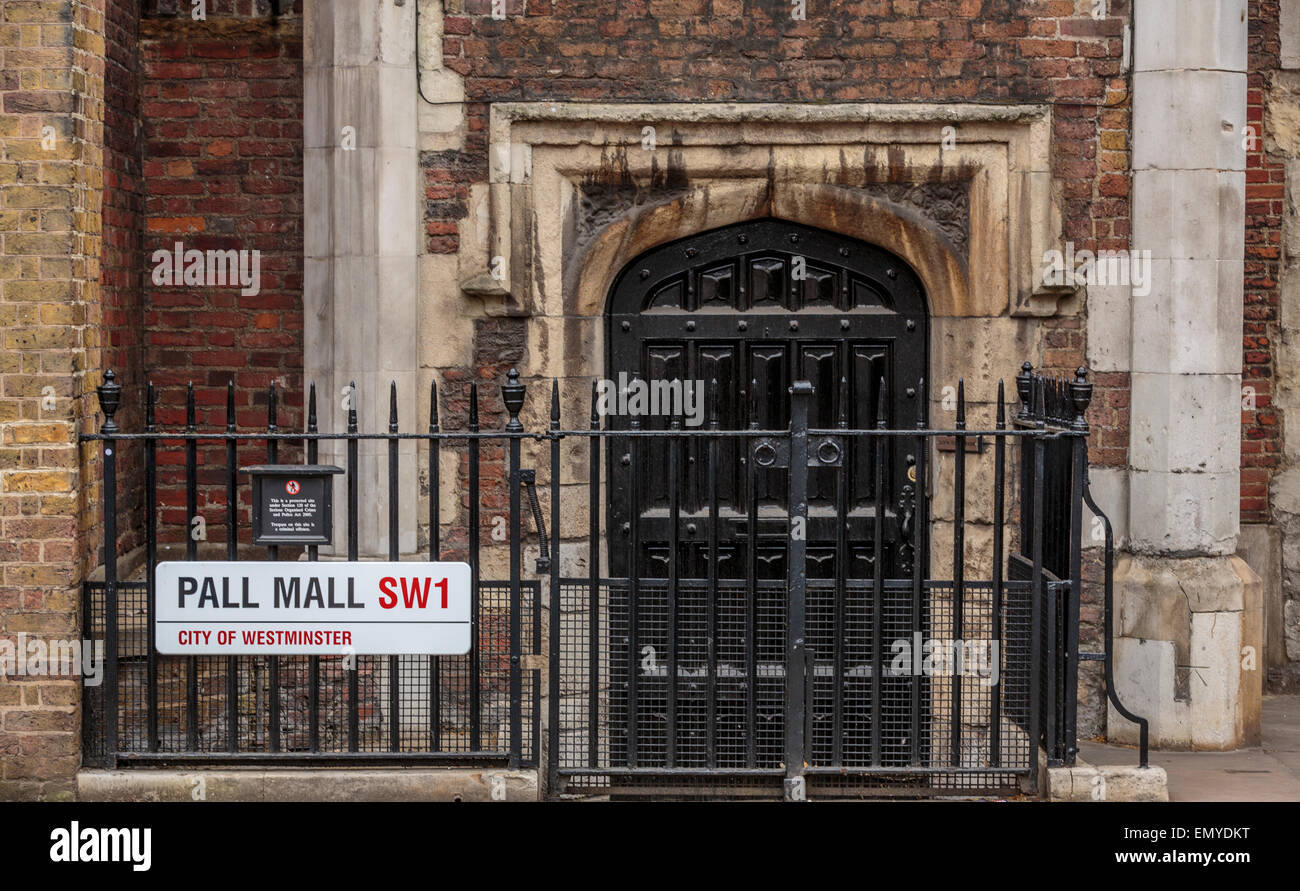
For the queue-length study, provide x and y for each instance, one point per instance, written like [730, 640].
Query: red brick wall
[846, 50]
[221, 102]
[122, 264]
[1261, 429]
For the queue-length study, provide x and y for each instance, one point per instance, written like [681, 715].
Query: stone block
[1085, 782]
[1178, 512]
[1188, 323]
[1180, 658]
[1177, 34]
[1189, 120]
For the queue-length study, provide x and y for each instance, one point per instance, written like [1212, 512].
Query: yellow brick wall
[51, 135]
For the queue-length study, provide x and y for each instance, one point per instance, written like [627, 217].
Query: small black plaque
[293, 503]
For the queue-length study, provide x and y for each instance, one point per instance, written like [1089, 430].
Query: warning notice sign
[317, 609]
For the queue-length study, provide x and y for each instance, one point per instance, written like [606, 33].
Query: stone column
[362, 218]
[1189, 610]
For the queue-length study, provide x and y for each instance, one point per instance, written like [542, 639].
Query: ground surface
[1270, 772]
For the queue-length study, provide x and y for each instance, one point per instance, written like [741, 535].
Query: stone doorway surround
[574, 196]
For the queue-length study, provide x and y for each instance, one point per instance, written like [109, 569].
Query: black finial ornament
[512, 394]
[1081, 396]
[352, 406]
[1024, 387]
[110, 397]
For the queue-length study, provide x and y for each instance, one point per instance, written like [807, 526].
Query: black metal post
[191, 553]
[313, 554]
[633, 593]
[920, 566]
[512, 395]
[232, 553]
[999, 512]
[880, 446]
[1080, 395]
[475, 730]
[796, 583]
[394, 554]
[711, 607]
[354, 469]
[958, 570]
[273, 553]
[593, 589]
[151, 563]
[843, 566]
[110, 397]
[674, 545]
[435, 555]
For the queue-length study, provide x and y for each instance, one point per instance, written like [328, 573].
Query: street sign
[283, 608]
[293, 503]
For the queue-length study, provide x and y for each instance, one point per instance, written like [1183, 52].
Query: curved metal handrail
[1108, 624]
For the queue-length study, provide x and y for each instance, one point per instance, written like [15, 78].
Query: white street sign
[289, 608]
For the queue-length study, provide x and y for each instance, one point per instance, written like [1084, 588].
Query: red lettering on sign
[387, 596]
[421, 598]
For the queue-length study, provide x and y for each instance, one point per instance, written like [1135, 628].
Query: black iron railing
[817, 641]
[479, 709]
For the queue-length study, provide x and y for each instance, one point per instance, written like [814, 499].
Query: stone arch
[944, 273]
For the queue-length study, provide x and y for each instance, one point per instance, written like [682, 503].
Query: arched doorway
[736, 316]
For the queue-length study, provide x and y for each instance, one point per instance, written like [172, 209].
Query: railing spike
[352, 406]
[433, 406]
[270, 409]
[189, 407]
[920, 404]
[555, 403]
[392, 406]
[880, 405]
[230, 406]
[1002, 411]
[961, 403]
[312, 422]
[713, 404]
[150, 400]
[843, 414]
[595, 405]
[473, 405]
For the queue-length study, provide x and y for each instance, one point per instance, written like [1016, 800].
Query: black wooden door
[755, 307]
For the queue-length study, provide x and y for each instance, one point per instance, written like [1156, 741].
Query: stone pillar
[362, 219]
[1189, 621]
